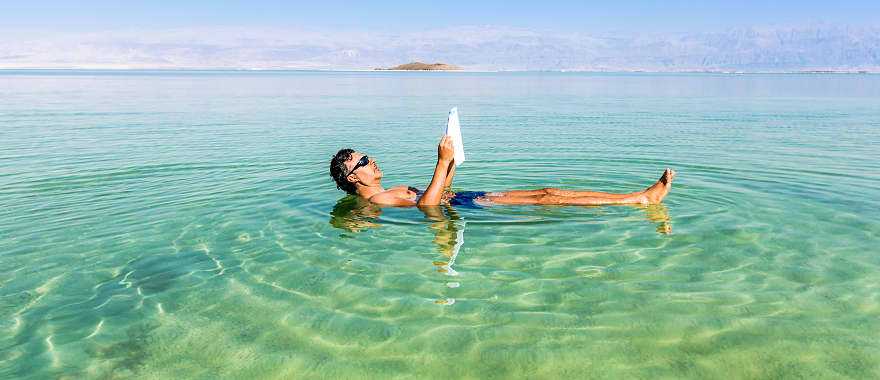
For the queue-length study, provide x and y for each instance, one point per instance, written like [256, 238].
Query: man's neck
[369, 191]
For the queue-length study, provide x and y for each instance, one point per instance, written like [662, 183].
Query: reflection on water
[448, 229]
[659, 214]
[355, 214]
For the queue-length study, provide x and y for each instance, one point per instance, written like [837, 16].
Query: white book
[453, 129]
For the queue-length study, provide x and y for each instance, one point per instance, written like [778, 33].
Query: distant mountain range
[810, 48]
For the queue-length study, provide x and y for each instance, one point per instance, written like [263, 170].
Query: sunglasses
[364, 161]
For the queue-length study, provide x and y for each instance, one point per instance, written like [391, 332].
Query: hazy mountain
[477, 48]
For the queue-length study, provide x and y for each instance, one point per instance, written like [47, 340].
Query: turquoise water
[183, 225]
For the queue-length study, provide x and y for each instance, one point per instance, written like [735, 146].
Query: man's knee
[551, 191]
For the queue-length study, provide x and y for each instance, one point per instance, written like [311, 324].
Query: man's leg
[548, 199]
[562, 193]
[549, 196]
[521, 193]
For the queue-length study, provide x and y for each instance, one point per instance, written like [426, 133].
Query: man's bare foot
[658, 191]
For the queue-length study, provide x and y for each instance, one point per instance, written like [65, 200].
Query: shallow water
[182, 224]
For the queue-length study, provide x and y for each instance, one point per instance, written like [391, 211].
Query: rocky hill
[424, 66]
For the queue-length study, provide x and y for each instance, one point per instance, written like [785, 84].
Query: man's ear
[352, 178]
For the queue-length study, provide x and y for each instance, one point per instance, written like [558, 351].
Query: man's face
[365, 174]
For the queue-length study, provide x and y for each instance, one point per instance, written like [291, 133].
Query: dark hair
[339, 171]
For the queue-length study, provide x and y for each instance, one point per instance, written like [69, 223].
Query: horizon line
[620, 71]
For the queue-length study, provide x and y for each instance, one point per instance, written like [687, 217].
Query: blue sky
[631, 16]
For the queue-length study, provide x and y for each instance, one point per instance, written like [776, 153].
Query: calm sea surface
[183, 225]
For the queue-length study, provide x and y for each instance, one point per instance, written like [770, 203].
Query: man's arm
[434, 192]
[450, 172]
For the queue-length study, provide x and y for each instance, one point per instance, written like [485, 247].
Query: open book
[453, 129]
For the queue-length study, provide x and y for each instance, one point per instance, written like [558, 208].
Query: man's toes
[668, 174]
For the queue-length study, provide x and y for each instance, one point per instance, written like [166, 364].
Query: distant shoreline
[441, 72]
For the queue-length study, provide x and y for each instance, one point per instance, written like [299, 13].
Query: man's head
[350, 168]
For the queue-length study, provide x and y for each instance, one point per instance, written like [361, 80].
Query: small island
[424, 67]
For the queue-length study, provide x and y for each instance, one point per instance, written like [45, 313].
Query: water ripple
[190, 226]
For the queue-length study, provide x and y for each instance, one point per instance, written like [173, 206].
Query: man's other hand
[445, 151]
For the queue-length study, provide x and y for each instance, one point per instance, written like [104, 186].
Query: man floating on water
[356, 173]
